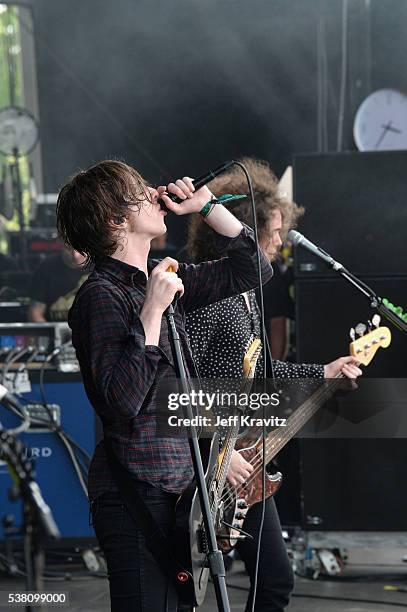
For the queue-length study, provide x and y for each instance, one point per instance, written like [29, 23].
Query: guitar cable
[264, 377]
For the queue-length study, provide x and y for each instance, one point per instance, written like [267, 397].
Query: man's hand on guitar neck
[348, 366]
[239, 469]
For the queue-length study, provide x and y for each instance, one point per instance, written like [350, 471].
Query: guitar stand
[214, 556]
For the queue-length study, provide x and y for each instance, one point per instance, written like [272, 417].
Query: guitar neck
[249, 366]
[277, 439]
[229, 443]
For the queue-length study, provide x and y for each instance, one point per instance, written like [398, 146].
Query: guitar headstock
[371, 338]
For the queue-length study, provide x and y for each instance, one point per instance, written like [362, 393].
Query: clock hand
[391, 128]
[382, 135]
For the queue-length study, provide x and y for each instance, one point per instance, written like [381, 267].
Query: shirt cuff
[151, 350]
[313, 370]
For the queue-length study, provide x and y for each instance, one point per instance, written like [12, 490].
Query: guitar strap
[156, 540]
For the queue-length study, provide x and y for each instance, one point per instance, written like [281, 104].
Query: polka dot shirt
[220, 334]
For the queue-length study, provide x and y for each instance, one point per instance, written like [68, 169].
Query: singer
[110, 215]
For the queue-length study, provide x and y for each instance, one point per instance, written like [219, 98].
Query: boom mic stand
[376, 302]
[215, 558]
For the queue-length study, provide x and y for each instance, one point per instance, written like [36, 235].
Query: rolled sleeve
[235, 273]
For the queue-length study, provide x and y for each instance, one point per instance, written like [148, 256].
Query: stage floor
[92, 595]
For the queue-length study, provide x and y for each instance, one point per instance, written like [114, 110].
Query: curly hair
[89, 202]
[201, 243]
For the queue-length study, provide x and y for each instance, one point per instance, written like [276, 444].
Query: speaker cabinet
[328, 308]
[353, 484]
[356, 209]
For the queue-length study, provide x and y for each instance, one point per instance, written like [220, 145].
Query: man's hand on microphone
[192, 201]
[160, 291]
[220, 219]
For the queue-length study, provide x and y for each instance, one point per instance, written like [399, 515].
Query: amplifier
[353, 485]
[30, 345]
[328, 308]
[40, 241]
[355, 210]
[54, 470]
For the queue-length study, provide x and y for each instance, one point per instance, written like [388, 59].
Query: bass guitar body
[238, 500]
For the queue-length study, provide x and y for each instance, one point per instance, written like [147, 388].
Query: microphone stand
[38, 521]
[215, 557]
[376, 302]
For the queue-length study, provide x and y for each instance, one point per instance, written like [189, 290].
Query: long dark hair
[89, 202]
[201, 244]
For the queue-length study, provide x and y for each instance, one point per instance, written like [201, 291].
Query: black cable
[57, 428]
[9, 362]
[48, 574]
[24, 416]
[263, 339]
[52, 426]
[15, 350]
[64, 439]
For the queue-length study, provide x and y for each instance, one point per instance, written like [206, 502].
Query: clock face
[381, 122]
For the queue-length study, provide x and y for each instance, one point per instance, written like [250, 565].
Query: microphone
[299, 240]
[177, 294]
[8, 399]
[199, 182]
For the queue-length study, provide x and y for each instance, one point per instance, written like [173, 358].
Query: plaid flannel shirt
[120, 372]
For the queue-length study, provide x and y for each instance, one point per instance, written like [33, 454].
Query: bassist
[218, 335]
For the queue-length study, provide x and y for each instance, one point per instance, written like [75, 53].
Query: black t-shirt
[55, 284]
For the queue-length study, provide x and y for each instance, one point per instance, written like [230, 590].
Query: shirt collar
[130, 275]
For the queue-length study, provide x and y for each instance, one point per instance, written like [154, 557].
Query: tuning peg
[360, 329]
[369, 325]
[352, 334]
[376, 320]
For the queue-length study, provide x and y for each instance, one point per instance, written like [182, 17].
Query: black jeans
[275, 577]
[136, 582]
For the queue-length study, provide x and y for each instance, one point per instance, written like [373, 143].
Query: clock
[18, 131]
[381, 121]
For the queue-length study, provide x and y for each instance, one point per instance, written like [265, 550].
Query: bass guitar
[237, 500]
[190, 541]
